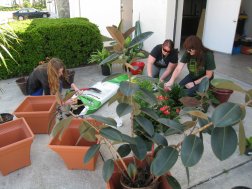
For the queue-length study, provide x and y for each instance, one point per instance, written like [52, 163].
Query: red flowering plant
[169, 105]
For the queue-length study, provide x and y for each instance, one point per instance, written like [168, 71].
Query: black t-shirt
[162, 61]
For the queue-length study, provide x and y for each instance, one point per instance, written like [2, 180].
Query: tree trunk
[63, 8]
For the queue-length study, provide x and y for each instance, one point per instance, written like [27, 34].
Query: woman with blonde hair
[46, 78]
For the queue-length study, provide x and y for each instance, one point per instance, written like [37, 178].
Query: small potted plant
[99, 56]
[155, 165]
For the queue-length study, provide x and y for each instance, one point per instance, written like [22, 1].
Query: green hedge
[70, 39]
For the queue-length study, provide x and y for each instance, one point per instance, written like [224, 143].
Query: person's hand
[189, 85]
[167, 86]
[161, 80]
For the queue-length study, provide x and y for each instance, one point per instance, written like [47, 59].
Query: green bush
[70, 39]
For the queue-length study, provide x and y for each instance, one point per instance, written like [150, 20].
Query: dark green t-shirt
[194, 71]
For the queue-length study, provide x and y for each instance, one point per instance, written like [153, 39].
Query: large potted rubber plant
[150, 169]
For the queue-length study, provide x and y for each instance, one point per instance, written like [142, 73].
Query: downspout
[79, 9]
[175, 21]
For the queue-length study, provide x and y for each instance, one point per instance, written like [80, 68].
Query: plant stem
[195, 132]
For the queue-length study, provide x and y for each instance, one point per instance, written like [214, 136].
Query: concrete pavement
[48, 170]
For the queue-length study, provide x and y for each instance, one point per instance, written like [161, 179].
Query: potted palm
[148, 169]
[99, 56]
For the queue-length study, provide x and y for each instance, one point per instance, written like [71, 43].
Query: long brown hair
[195, 43]
[53, 67]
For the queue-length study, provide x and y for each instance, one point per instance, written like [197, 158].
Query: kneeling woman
[46, 78]
[200, 63]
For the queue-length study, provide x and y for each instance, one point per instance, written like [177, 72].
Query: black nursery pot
[6, 117]
[105, 70]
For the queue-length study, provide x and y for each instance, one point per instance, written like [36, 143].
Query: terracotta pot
[222, 95]
[37, 111]
[71, 153]
[15, 142]
[114, 182]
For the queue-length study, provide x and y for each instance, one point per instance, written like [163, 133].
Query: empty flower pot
[222, 95]
[15, 142]
[4, 117]
[72, 153]
[139, 66]
[22, 84]
[38, 111]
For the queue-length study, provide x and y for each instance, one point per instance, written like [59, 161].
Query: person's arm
[171, 66]
[74, 87]
[175, 74]
[209, 74]
[150, 62]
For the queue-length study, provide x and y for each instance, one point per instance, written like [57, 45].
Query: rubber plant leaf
[139, 39]
[223, 142]
[91, 152]
[108, 169]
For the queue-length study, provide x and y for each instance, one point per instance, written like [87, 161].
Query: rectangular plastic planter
[15, 142]
[37, 111]
[71, 153]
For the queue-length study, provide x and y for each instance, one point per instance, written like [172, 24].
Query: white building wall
[157, 16]
[101, 13]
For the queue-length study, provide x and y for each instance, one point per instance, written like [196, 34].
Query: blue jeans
[191, 91]
[38, 92]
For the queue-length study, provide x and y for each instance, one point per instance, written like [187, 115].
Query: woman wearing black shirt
[162, 61]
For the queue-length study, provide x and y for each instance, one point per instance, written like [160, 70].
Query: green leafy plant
[220, 125]
[43, 38]
[7, 36]
[126, 49]
[99, 56]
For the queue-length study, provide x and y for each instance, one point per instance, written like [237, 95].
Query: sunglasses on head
[166, 51]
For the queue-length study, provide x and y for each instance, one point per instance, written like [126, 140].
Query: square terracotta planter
[114, 182]
[15, 142]
[71, 153]
[37, 111]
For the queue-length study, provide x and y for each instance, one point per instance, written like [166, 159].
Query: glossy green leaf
[223, 142]
[139, 39]
[91, 152]
[128, 139]
[110, 58]
[60, 127]
[132, 171]
[242, 138]
[112, 76]
[229, 85]
[108, 169]
[124, 150]
[128, 88]
[139, 149]
[248, 97]
[106, 120]
[204, 85]
[171, 131]
[188, 101]
[160, 140]
[192, 150]
[164, 161]
[150, 113]
[148, 96]
[174, 184]
[227, 114]
[111, 134]
[198, 114]
[123, 109]
[189, 125]
[145, 124]
[87, 132]
[172, 124]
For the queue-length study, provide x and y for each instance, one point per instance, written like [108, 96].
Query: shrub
[72, 40]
